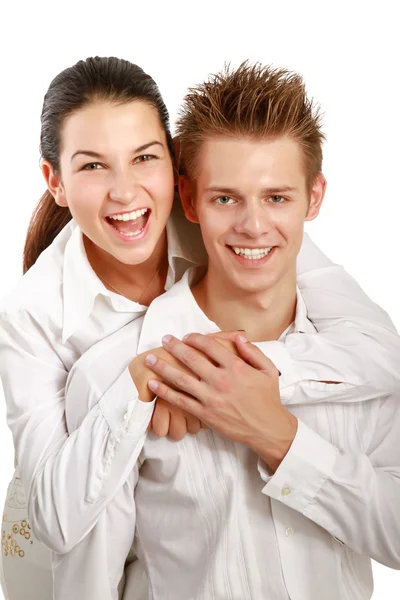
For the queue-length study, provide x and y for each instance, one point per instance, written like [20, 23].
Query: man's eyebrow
[94, 154]
[228, 191]
[280, 189]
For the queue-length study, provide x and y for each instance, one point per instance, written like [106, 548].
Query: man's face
[251, 201]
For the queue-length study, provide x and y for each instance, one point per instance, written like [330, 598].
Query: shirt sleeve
[355, 496]
[97, 561]
[69, 474]
[356, 343]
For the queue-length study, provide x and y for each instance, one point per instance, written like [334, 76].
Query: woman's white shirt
[60, 309]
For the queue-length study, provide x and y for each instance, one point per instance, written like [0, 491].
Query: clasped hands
[220, 381]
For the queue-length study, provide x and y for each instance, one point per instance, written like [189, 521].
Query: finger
[254, 356]
[194, 360]
[177, 426]
[177, 398]
[172, 417]
[226, 335]
[203, 425]
[211, 347]
[193, 424]
[173, 376]
[161, 419]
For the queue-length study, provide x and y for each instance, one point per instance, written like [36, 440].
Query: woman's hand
[167, 419]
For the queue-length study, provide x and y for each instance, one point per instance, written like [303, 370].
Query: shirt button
[126, 416]
[286, 491]
[288, 531]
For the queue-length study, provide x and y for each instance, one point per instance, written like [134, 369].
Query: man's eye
[144, 158]
[276, 199]
[224, 200]
[91, 167]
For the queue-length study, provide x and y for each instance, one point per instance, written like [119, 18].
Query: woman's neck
[144, 281]
[262, 315]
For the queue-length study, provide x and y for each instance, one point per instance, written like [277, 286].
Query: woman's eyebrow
[94, 154]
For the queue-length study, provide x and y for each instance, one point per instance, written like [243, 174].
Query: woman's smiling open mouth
[129, 225]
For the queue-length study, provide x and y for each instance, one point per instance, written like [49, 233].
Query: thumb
[254, 356]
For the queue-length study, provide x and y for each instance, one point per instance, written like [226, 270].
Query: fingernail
[185, 337]
[166, 339]
[151, 359]
[242, 338]
[153, 385]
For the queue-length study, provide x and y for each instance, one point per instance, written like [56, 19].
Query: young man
[294, 486]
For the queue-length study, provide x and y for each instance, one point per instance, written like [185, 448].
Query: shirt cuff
[306, 467]
[123, 410]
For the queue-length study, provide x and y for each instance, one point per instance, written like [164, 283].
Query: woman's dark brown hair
[94, 79]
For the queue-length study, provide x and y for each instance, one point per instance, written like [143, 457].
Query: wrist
[272, 449]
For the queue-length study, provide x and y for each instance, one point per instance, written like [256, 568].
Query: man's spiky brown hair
[254, 101]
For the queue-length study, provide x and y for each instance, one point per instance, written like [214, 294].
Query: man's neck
[263, 315]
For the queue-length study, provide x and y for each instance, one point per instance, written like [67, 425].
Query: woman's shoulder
[38, 293]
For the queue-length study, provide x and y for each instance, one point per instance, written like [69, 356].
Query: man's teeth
[252, 253]
[132, 216]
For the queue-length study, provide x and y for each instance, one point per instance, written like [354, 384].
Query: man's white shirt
[211, 522]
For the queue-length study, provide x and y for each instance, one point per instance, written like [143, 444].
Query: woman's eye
[144, 158]
[276, 199]
[91, 167]
[224, 200]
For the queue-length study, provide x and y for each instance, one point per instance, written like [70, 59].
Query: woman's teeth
[252, 253]
[132, 216]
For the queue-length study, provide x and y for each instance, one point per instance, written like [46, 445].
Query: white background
[348, 53]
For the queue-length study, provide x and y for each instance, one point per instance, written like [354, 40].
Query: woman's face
[116, 177]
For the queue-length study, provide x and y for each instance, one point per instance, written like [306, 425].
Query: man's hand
[236, 396]
[169, 419]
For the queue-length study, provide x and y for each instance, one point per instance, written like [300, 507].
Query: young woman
[102, 245]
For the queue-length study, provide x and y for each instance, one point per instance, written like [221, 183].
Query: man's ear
[188, 198]
[54, 183]
[317, 195]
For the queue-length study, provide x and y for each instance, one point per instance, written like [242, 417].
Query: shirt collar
[185, 244]
[81, 286]
[162, 315]
[302, 323]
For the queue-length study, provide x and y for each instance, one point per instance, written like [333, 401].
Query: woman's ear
[187, 198]
[54, 184]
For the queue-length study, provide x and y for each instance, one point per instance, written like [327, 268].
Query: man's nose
[252, 220]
